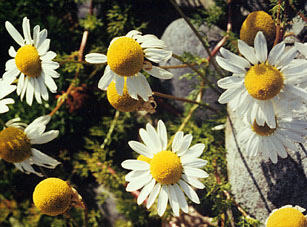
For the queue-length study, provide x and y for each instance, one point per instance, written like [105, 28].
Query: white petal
[42, 159]
[50, 83]
[194, 172]
[181, 199]
[185, 144]
[229, 66]
[162, 133]
[276, 53]
[152, 42]
[135, 165]
[260, 47]
[145, 191]
[301, 48]
[48, 56]
[157, 55]
[248, 52]
[119, 84]
[189, 191]
[173, 199]
[140, 149]
[45, 137]
[106, 79]
[30, 91]
[193, 181]
[26, 30]
[195, 151]
[14, 33]
[133, 33]
[235, 59]
[230, 82]
[43, 89]
[193, 162]
[20, 83]
[286, 57]
[96, 58]
[139, 183]
[162, 200]
[37, 91]
[36, 30]
[142, 86]
[177, 141]
[10, 65]
[12, 52]
[153, 195]
[44, 47]
[42, 38]
[154, 136]
[159, 73]
[26, 167]
[148, 141]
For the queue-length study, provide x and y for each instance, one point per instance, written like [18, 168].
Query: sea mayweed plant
[111, 98]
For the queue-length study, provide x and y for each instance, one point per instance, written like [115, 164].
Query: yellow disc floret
[257, 21]
[262, 130]
[14, 145]
[263, 82]
[52, 196]
[123, 102]
[125, 56]
[285, 217]
[166, 168]
[28, 62]
[144, 158]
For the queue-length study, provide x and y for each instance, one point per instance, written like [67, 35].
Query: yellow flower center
[286, 217]
[14, 145]
[125, 56]
[263, 81]
[262, 130]
[122, 103]
[166, 168]
[52, 196]
[28, 62]
[144, 158]
[257, 21]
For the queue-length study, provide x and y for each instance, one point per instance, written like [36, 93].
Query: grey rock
[180, 38]
[260, 186]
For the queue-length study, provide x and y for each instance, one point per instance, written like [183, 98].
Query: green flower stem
[188, 117]
[155, 93]
[64, 61]
[198, 36]
[111, 129]
[210, 84]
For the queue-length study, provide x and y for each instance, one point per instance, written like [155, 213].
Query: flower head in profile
[53, 197]
[165, 172]
[16, 141]
[287, 215]
[5, 89]
[257, 21]
[126, 57]
[274, 142]
[261, 81]
[32, 63]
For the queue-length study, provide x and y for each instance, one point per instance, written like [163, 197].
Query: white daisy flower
[274, 142]
[32, 63]
[287, 215]
[260, 81]
[125, 58]
[302, 48]
[16, 141]
[5, 89]
[167, 173]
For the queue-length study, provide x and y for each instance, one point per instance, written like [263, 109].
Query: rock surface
[260, 186]
[180, 38]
